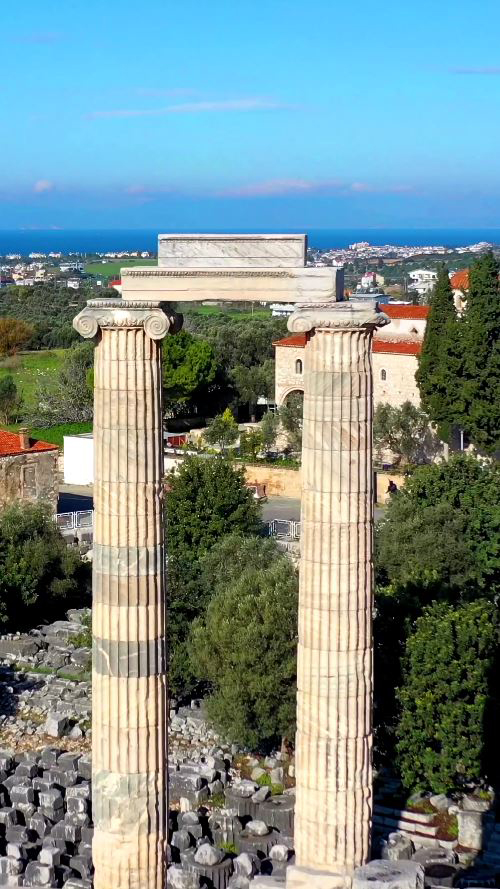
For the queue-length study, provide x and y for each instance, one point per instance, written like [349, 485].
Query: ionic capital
[102, 314]
[351, 315]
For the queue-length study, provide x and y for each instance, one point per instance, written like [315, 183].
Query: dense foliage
[481, 353]
[14, 335]
[449, 697]
[441, 533]
[69, 398]
[206, 501]
[40, 576]
[222, 430]
[49, 308]
[404, 432]
[245, 645]
[10, 400]
[189, 371]
[439, 542]
[439, 374]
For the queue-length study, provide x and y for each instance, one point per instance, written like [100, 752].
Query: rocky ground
[232, 814]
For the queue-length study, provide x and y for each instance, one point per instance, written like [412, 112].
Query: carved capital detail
[113, 313]
[351, 315]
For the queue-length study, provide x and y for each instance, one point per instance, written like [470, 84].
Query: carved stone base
[307, 878]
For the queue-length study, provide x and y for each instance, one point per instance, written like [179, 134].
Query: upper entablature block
[232, 251]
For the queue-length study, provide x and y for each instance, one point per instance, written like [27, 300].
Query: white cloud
[207, 107]
[42, 186]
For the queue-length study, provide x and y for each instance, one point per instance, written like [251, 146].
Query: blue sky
[228, 113]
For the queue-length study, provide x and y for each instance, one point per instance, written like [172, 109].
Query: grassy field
[112, 269]
[231, 313]
[28, 369]
[55, 434]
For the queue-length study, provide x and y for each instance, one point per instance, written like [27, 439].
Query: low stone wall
[279, 482]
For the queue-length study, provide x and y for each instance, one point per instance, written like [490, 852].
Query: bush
[446, 707]
[245, 646]
[40, 576]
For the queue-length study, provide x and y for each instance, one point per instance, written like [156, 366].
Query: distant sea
[104, 240]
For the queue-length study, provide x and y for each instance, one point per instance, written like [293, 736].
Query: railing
[69, 521]
[284, 529]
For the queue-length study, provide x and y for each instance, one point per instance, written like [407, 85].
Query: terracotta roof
[460, 280]
[397, 347]
[410, 312]
[298, 340]
[10, 445]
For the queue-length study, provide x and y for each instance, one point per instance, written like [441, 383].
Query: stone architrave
[334, 698]
[129, 713]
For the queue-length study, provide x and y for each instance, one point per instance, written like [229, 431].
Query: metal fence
[284, 529]
[69, 521]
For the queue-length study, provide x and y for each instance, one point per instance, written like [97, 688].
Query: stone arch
[292, 390]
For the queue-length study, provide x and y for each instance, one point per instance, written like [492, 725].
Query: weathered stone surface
[470, 829]
[226, 251]
[389, 875]
[334, 669]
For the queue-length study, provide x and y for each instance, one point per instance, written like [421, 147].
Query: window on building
[383, 374]
[298, 366]
[28, 482]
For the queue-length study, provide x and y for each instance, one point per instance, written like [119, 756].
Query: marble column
[334, 697]
[129, 690]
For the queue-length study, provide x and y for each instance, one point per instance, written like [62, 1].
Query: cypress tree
[481, 344]
[439, 374]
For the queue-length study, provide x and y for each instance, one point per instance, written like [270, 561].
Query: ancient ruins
[334, 796]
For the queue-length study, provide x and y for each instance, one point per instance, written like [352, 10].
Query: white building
[422, 280]
[395, 358]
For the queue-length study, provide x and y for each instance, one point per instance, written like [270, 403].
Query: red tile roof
[397, 347]
[10, 445]
[460, 280]
[400, 312]
[298, 340]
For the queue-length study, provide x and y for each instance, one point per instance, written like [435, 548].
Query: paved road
[73, 498]
[286, 508]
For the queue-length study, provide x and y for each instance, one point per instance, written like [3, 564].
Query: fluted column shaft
[129, 691]
[334, 682]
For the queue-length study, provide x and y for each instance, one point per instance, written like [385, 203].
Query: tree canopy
[222, 431]
[14, 335]
[189, 369]
[441, 533]
[481, 351]
[440, 366]
[40, 576]
[245, 645]
[404, 432]
[207, 500]
[448, 700]
[10, 400]
[70, 397]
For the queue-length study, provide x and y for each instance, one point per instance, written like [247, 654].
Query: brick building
[28, 469]
[395, 357]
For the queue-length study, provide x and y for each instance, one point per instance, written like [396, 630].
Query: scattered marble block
[306, 878]
[389, 875]
[470, 829]
[397, 848]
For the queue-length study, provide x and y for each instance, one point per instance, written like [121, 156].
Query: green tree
[291, 416]
[40, 576]
[70, 397]
[207, 500]
[246, 643]
[481, 347]
[14, 335]
[10, 400]
[405, 432]
[440, 538]
[189, 369]
[253, 383]
[250, 443]
[269, 428]
[440, 367]
[445, 697]
[222, 431]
